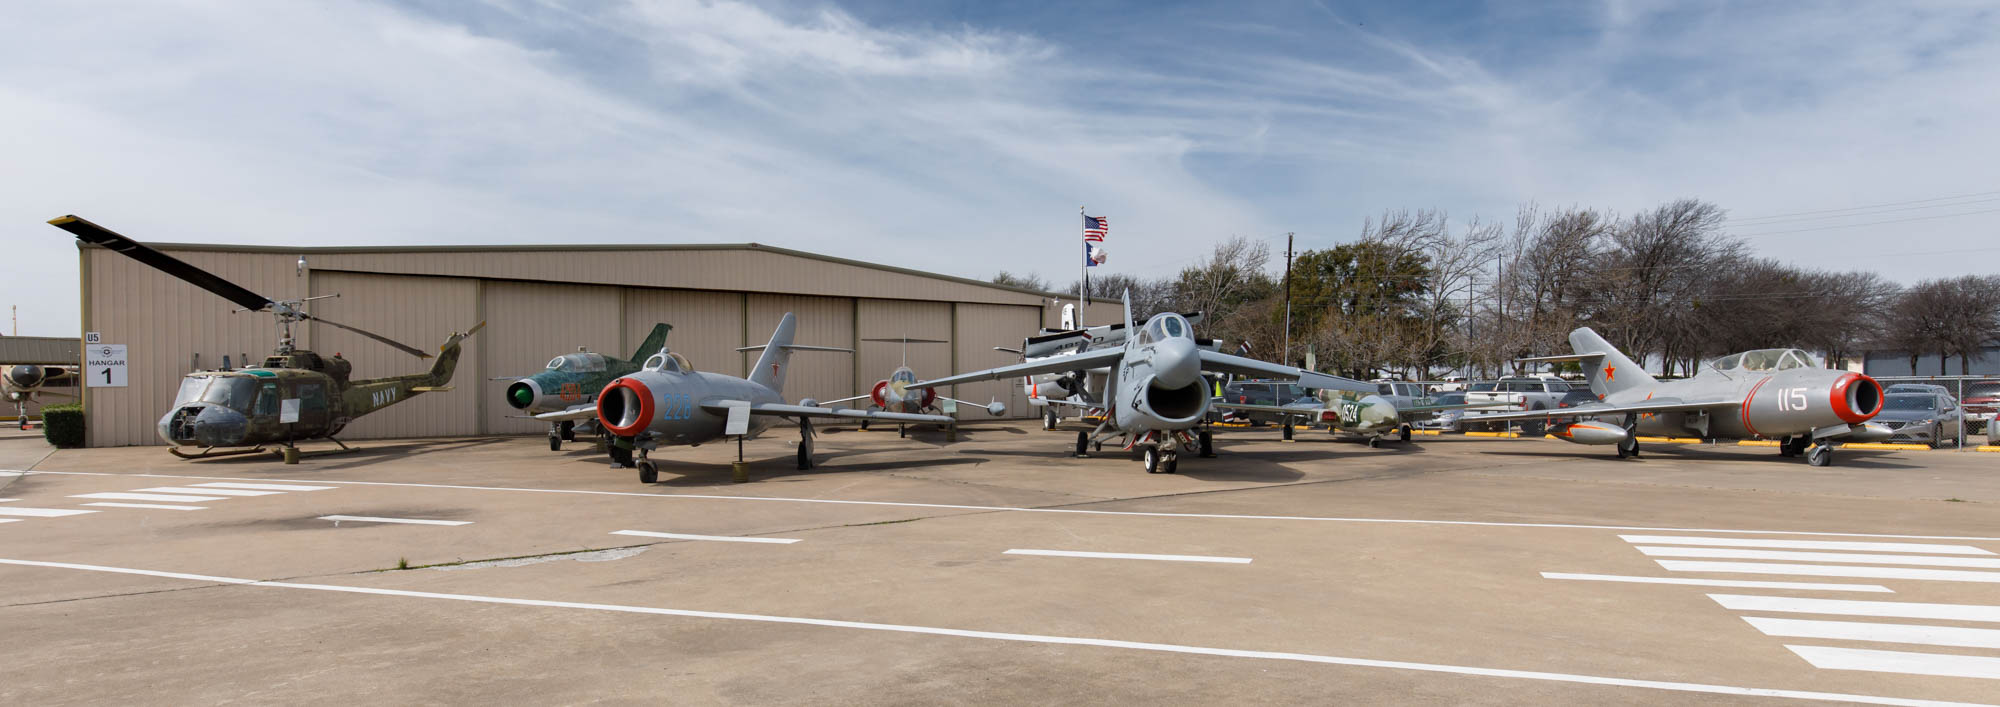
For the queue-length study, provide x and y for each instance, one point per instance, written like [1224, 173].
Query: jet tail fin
[1610, 372]
[770, 369]
[1128, 311]
[653, 343]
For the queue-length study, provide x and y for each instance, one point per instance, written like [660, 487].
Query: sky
[962, 137]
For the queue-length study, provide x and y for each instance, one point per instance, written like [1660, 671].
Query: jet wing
[573, 412]
[721, 407]
[1224, 363]
[1651, 406]
[1054, 364]
[1307, 413]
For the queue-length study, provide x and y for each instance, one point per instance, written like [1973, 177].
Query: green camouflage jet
[575, 379]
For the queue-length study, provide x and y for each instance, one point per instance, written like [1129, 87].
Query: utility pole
[1287, 355]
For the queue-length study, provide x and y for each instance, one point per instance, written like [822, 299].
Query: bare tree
[1656, 266]
[1224, 287]
[1028, 280]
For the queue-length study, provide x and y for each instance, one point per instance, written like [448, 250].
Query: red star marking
[1610, 372]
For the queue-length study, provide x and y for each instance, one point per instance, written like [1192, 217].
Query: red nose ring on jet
[625, 407]
[1856, 398]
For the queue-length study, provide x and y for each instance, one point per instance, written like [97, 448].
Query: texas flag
[1093, 255]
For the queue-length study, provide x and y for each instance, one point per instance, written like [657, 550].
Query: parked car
[1445, 419]
[1519, 394]
[1451, 384]
[1921, 418]
[1981, 399]
[1577, 396]
[1920, 388]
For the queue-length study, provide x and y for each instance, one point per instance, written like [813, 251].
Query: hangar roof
[41, 350]
[721, 266]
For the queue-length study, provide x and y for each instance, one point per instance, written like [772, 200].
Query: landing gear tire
[805, 457]
[1374, 442]
[555, 443]
[1082, 443]
[1151, 457]
[569, 431]
[620, 456]
[902, 431]
[1205, 443]
[864, 425]
[1628, 448]
[1048, 419]
[1820, 456]
[1170, 464]
[1404, 436]
[648, 473]
[1288, 432]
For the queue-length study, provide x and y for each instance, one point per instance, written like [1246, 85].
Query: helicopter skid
[209, 452]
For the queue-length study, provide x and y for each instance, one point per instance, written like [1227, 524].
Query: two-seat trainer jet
[574, 379]
[665, 404]
[1154, 394]
[893, 394]
[1776, 394]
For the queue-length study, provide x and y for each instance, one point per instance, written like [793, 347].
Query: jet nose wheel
[1048, 419]
[1405, 435]
[1082, 443]
[1820, 456]
[648, 473]
[1152, 460]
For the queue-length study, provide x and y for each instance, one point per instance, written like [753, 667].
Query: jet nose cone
[1176, 363]
[24, 375]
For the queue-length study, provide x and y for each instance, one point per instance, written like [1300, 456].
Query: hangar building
[540, 302]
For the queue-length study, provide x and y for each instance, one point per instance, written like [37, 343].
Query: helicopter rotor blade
[92, 233]
[412, 350]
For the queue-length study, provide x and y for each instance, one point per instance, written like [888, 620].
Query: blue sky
[962, 137]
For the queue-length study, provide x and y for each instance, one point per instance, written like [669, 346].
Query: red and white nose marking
[625, 407]
[1856, 398]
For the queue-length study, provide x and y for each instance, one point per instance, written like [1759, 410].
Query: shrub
[62, 425]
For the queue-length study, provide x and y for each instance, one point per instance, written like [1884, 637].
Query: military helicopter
[294, 395]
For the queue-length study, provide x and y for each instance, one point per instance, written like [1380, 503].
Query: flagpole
[1083, 271]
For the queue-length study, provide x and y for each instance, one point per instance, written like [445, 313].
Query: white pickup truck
[1513, 395]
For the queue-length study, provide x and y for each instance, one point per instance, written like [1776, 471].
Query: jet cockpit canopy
[668, 361]
[1765, 360]
[584, 362]
[1164, 326]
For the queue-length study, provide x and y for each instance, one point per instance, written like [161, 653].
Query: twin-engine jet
[1779, 394]
[1154, 395]
[667, 403]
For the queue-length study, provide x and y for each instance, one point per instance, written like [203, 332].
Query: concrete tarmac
[998, 569]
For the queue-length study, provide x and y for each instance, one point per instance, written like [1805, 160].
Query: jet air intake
[1174, 404]
[625, 407]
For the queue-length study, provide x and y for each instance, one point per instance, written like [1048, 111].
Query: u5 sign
[104, 365]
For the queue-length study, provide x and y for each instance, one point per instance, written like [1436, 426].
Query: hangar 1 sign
[104, 366]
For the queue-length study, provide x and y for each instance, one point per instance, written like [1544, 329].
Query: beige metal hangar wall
[540, 302]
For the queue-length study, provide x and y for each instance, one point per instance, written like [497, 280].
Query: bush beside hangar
[540, 301]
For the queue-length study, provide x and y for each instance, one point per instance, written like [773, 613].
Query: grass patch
[402, 563]
[1954, 500]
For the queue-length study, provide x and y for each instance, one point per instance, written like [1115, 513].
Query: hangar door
[823, 321]
[980, 328]
[418, 311]
[708, 326]
[528, 323]
[900, 319]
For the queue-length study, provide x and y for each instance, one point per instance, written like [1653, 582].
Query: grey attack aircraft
[1776, 394]
[666, 403]
[1082, 389]
[1155, 396]
[23, 383]
[893, 394]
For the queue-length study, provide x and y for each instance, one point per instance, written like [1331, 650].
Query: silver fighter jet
[666, 403]
[1778, 394]
[1155, 397]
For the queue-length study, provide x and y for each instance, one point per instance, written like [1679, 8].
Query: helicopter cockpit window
[231, 392]
[190, 390]
[267, 401]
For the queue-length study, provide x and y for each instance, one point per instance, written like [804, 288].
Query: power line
[1870, 223]
[1870, 206]
[1871, 213]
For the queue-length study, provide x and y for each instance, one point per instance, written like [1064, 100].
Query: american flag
[1094, 228]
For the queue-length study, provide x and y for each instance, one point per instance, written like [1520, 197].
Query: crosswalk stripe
[1831, 571]
[1955, 666]
[10, 520]
[1857, 607]
[1740, 583]
[217, 492]
[716, 538]
[410, 521]
[170, 498]
[155, 506]
[1736, 554]
[262, 487]
[41, 512]
[1881, 633]
[1806, 544]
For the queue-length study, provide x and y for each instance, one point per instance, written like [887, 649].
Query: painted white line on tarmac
[1131, 556]
[1045, 639]
[1736, 554]
[155, 506]
[41, 512]
[262, 487]
[1076, 511]
[1745, 584]
[1855, 607]
[1813, 544]
[1881, 633]
[717, 538]
[10, 520]
[410, 521]
[216, 492]
[1952, 666]
[170, 498]
[8, 500]
[1831, 571]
